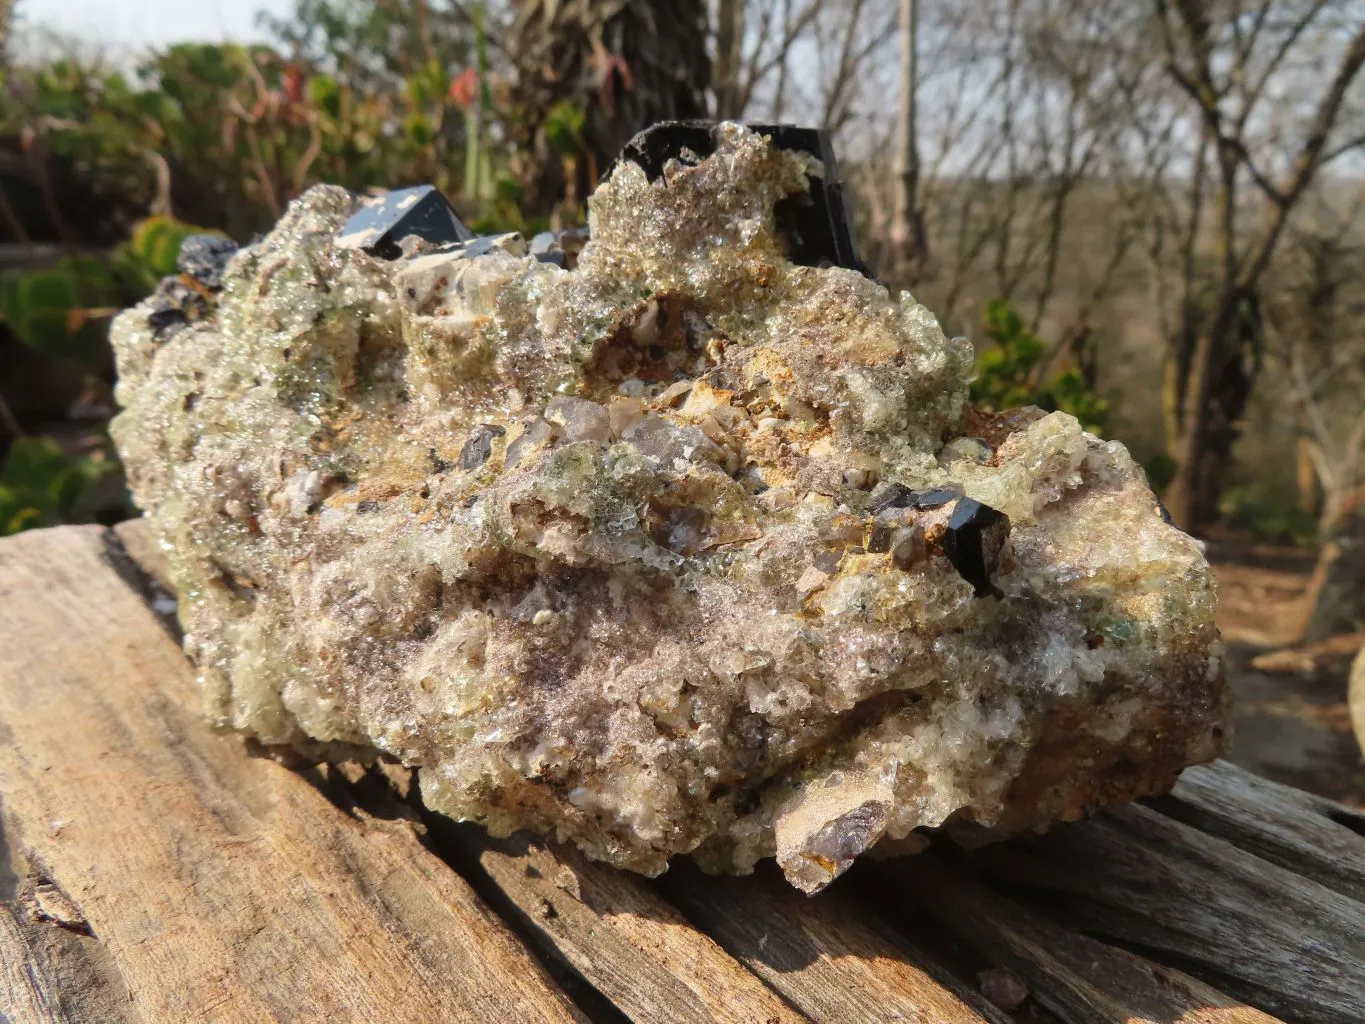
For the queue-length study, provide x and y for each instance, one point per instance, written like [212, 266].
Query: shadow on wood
[225, 887]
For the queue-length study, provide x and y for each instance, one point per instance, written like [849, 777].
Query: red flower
[293, 83]
[465, 89]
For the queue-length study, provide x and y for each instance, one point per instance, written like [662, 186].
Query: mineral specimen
[815, 224]
[204, 258]
[381, 224]
[687, 549]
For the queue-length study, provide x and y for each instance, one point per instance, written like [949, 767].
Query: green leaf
[41, 485]
[564, 128]
[1007, 371]
[50, 289]
[47, 308]
[325, 92]
[418, 129]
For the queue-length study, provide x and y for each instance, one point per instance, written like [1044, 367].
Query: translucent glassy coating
[599, 550]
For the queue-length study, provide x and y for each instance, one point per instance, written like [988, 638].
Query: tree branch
[1310, 154]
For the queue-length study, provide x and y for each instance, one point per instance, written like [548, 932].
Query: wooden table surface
[151, 870]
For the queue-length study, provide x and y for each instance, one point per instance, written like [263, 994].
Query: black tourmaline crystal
[975, 536]
[379, 225]
[479, 447]
[818, 227]
[177, 303]
[205, 257]
[936, 498]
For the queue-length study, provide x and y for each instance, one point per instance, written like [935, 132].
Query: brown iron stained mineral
[687, 548]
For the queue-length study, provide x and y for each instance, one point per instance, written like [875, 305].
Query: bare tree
[1315, 326]
[1023, 129]
[907, 225]
[1229, 59]
[726, 67]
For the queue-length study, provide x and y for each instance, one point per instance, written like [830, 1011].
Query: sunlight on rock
[686, 549]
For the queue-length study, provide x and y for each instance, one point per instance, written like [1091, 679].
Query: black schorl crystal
[818, 226]
[889, 494]
[204, 258]
[479, 447]
[936, 498]
[379, 225]
[176, 304]
[975, 536]
[165, 320]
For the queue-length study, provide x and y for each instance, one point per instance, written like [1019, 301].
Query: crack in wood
[1229, 892]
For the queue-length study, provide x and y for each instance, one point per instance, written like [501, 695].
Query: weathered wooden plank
[1285, 826]
[1282, 942]
[139, 542]
[27, 993]
[49, 969]
[820, 952]
[1080, 979]
[224, 887]
[627, 941]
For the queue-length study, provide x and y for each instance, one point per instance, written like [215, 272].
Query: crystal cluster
[674, 544]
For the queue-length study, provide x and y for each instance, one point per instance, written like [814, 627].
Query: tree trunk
[1306, 474]
[1192, 491]
[1216, 376]
[729, 44]
[1336, 595]
[907, 226]
[1217, 383]
[622, 65]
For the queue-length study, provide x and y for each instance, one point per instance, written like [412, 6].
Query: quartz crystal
[689, 548]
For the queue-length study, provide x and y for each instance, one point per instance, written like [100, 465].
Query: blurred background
[1147, 213]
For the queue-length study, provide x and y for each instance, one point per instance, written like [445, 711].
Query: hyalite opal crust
[636, 555]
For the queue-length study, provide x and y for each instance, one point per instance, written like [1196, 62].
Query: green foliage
[1160, 470]
[41, 485]
[226, 135]
[564, 128]
[1007, 373]
[1270, 516]
[374, 46]
[358, 94]
[62, 310]
[155, 244]
[505, 211]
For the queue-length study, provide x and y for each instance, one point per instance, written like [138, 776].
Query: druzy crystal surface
[687, 549]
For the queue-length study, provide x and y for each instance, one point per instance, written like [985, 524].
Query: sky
[131, 25]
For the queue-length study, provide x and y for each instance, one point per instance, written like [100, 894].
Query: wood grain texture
[27, 992]
[1080, 979]
[628, 942]
[1284, 943]
[49, 969]
[138, 538]
[1285, 826]
[822, 953]
[223, 887]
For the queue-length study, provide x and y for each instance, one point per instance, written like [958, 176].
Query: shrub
[1007, 373]
[1270, 516]
[42, 485]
